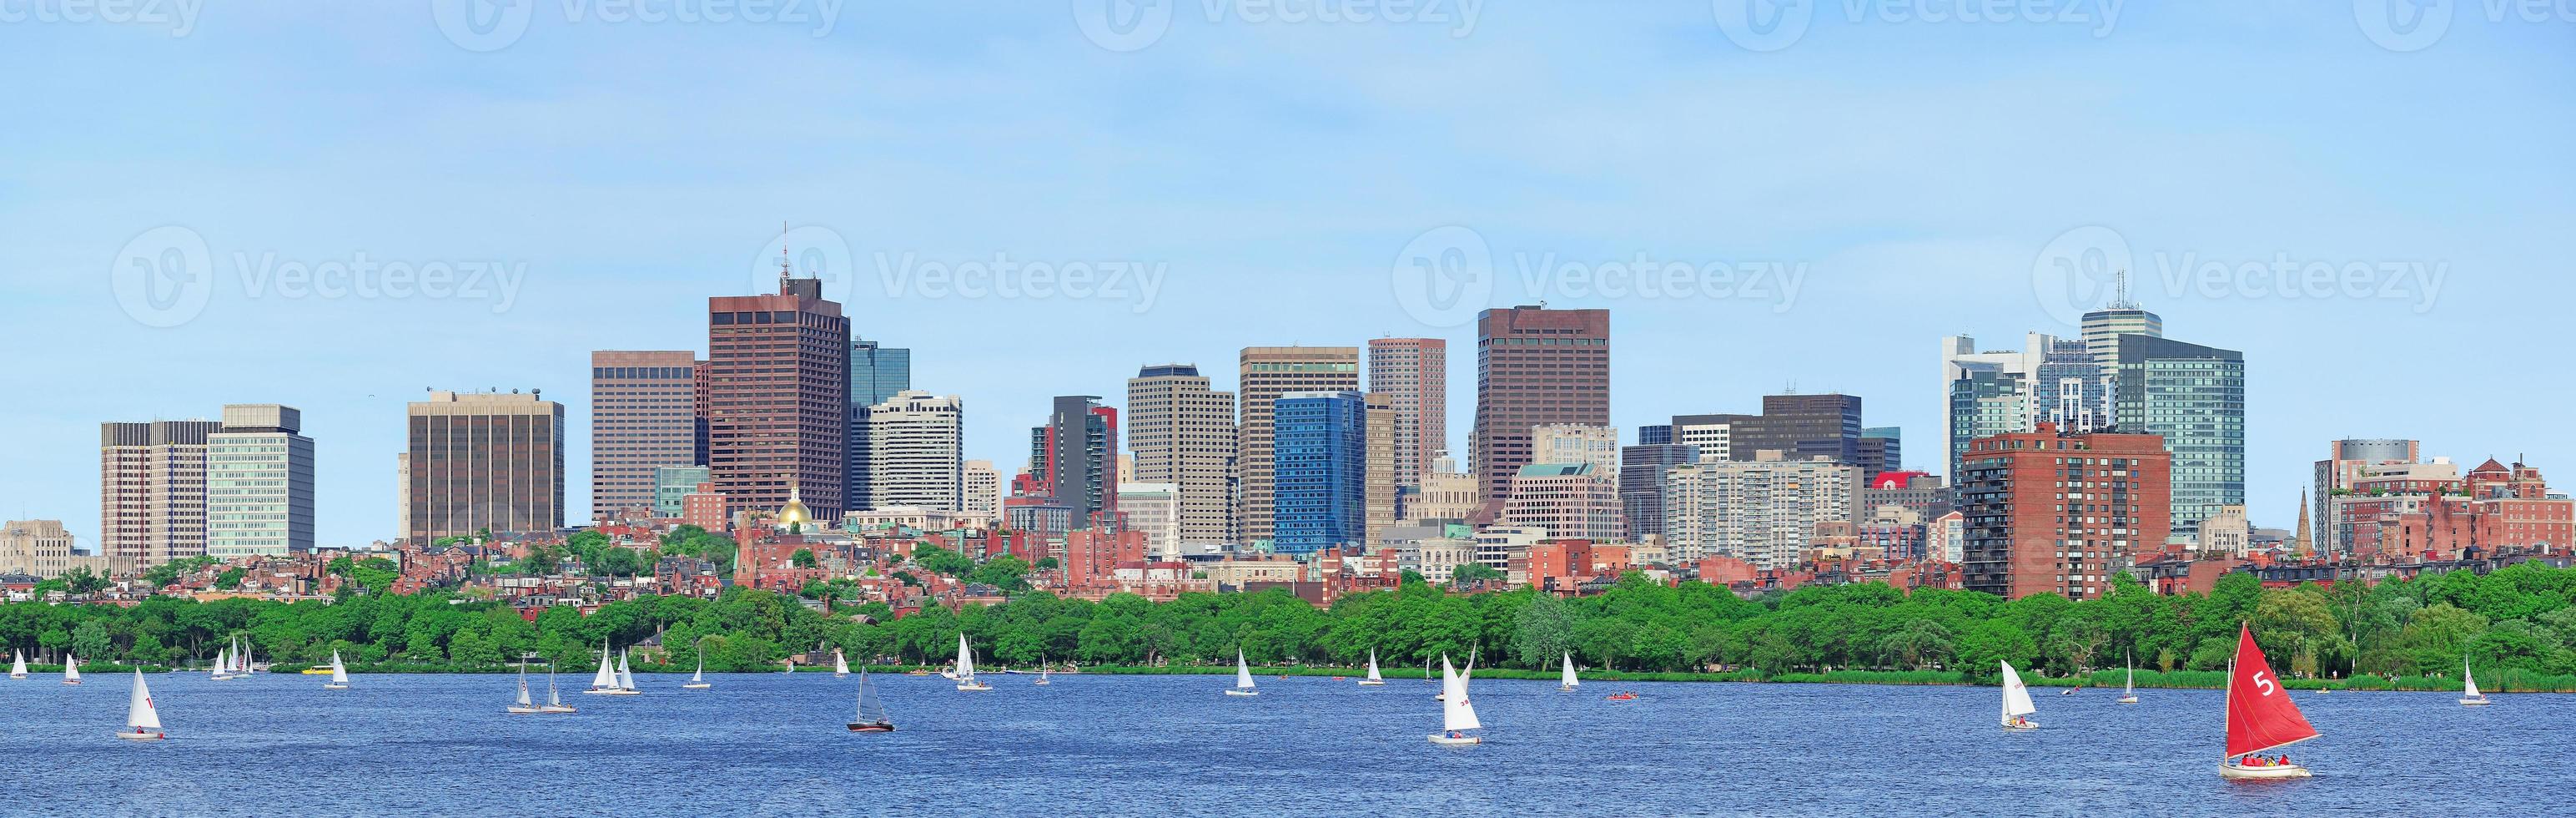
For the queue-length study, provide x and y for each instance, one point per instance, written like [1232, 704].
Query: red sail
[2260, 715]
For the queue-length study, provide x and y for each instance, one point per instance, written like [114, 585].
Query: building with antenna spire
[778, 397]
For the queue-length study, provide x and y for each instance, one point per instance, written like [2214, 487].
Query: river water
[1104, 745]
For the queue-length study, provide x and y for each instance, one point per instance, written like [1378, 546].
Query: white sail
[139, 712]
[2470, 675]
[871, 706]
[17, 665]
[607, 677]
[625, 676]
[1457, 712]
[2017, 701]
[2130, 691]
[223, 661]
[701, 675]
[524, 700]
[554, 695]
[840, 665]
[1570, 679]
[1373, 666]
[965, 660]
[1242, 671]
[71, 670]
[339, 672]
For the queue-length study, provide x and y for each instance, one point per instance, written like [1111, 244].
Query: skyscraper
[643, 417]
[1641, 478]
[1074, 458]
[983, 490]
[1534, 366]
[259, 483]
[778, 395]
[2194, 398]
[1321, 463]
[1379, 459]
[2049, 380]
[877, 374]
[1414, 375]
[485, 461]
[1182, 433]
[916, 452]
[1761, 511]
[1269, 373]
[2103, 328]
[1799, 427]
[152, 490]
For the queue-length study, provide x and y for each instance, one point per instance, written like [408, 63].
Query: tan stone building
[1268, 373]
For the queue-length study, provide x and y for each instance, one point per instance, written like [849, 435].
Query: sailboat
[223, 668]
[526, 706]
[840, 665]
[2260, 716]
[17, 665]
[966, 669]
[71, 670]
[699, 681]
[871, 717]
[605, 683]
[339, 674]
[625, 676]
[1242, 677]
[142, 720]
[1570, 682]
[554, 695]
[1043, 667]
[2017, 705]
[2475, 697]
[1373, 679]
[1457, 711]
[2131, 694]
[1469, 673]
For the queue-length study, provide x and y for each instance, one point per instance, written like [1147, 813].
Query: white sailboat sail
[701, 676]
[2470, 675]
[339, 672]
[140, 715]
[965, 661]
[223, 661]
[2017, 703]
[607, 676]
[840, 664]
[1571, 681]
[625, 675]
[17, 665]
[2130, 690]
[71, 670]
[1457, 711]
[554, 695]
[1372, 676]
[525, 701]
[1242, 671]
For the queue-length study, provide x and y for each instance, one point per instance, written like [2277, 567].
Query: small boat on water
[554, 696]
[626, 676]
[871, 717]
[2018, 707]
[2474, 697]
[339, 674]
[2129, 692]
[17, 665]
[698, 681]
[142, 718]
[71, 670]
[2260, 718]
[965, 673]
[1570, 682]
[1043, 680]
[1242, 677]
[527, 706]
[223, 668]
[605, 682]
[1623, 696]
[1373, 680]
[840, 665]
[1457, 711]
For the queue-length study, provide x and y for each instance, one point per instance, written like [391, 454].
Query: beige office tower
[916, 452]
[1267, 374]
[1413, 373]
[1380, 485]
[152, 490]
[42, 549]
[643, 417]
[1447, 496]
[983, 490]
[1182, 433]
[485, 461]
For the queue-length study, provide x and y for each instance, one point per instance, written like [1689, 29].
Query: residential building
[152, 489]
[485, 460]
[983, 490]
[2052, 513]
[1568, 501]
[1882, 449]
[42, 549]
[2343, 468]
[1534, 366]
[1268, 373]
[1074, 458]
[1762, 512]
[1414, 375]
[2193, 397]
[778, 392]
[1506, 548]
[1641, 478]
[1182, 432]
[916, 452]
[1320, 459]
[643, 416]
[259, 483]
[1799, 427]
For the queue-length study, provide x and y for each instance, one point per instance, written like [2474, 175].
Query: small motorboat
[1622, 696]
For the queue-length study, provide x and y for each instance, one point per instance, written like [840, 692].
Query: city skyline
[2105, 151]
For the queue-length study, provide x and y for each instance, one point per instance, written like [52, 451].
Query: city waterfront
[1117, 745]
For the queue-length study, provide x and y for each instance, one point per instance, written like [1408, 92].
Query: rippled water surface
[1101, 745]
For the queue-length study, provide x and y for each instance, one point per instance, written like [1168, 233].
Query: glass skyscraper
[2194, 396]
[1320, 467]
[877, 373]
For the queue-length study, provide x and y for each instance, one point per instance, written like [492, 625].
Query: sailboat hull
[2233, 772]
[1243, 693]
[134, 736]
[698, 686]
[556, 711]
[975, 687]
[872, 728]
[1444, 740]
[1371, 683]
[335, 687]
[612, 692]
[2022, 727]
[2475, 702]
[2129, 700]
[525, 711]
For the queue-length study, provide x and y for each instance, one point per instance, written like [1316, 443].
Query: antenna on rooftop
[2120, 291]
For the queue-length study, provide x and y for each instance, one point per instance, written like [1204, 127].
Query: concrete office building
[1269, 373]
[916, 452]
[983, 490]
[643, 417]
[1569, 501]
[484, 461]
[259, 483]
[1182, 432]
[1414, 375]
[1641, 478]
[1153, 509]
[1534, 366]
[152, 489]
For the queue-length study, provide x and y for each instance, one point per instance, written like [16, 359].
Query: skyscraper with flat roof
[2193, 397]
[1321, 462]
[1074, 458]
[1413, 373]
[778, 399]
[485, 460]
[917, 452]
[1268, 373]
[1181, 432]
[259, 483]
[643, 417]
[152, 489]
[1534, 366]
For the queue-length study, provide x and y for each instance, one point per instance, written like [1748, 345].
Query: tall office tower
[1074, 458]
[402, 493]
[2051, 513]
[1534, 366]
[485, 460]
[2347, 462]
[916, 452]
[778, 393]
[2194, 397]
[983, 490]
[672, 486]
[1641, 478]
[1761, 511]
[1564, 443]
[703, 389]
[259, 483]
[1267, 374]
[152, 489]
[1181, 432]
[1882, 450]
[1380, 461]
[877, 374]
[643, 416]
[2049, 380]
[1321, 463]
[1414, 374]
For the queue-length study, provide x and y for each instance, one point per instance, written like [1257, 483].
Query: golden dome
[795, 513]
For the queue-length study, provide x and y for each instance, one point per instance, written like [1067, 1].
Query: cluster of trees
[2520, 619]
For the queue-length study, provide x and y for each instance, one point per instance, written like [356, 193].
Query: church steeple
[2303, 543]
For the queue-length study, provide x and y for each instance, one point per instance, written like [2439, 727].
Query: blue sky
[1918, 177]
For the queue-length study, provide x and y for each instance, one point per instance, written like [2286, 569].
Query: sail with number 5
[2260, 715]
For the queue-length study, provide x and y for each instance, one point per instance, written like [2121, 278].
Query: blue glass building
[1319, 459]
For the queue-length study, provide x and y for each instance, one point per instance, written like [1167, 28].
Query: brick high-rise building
[643, 417]
[778, 392]
[152, 490]
[1413, 373]
[484, 461]
[2050, 513]
[1268, 373]
[1181, 432]
[1534, 366]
